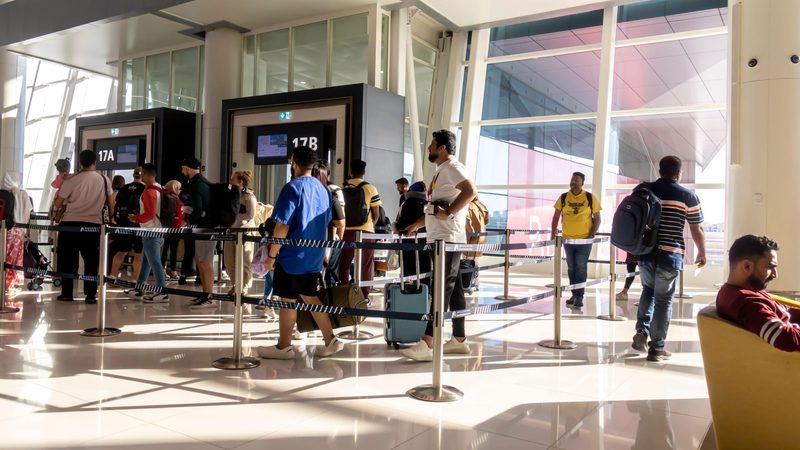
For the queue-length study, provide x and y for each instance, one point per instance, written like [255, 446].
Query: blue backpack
[635, 225]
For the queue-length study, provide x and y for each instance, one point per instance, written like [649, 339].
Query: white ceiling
[96, 46]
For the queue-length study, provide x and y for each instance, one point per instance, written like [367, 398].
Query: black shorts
[123, 243]
[289, 286]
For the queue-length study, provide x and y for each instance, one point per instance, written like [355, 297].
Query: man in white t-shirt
[449, 194]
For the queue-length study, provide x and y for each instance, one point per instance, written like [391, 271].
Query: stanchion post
[355, 333]
[612, 287]
[101, 330]
[437, 392]
[506, 271]
[237, 361]
[4, 241]
[557, 342]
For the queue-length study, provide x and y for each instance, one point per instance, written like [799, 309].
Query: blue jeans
[151, 260]
[577, 263]
[268, 285]
[655, 305]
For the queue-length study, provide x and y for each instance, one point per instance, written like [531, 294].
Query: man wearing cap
[199, 207]
[127, 203]
[402, 188]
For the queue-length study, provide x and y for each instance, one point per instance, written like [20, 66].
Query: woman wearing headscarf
[16, 236]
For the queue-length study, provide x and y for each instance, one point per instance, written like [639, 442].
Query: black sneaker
[197, 281]
[182, 280]
[640, 341]
[62, 298]
[658, 355]
[571, 300]
[577, 303]
[91, 300]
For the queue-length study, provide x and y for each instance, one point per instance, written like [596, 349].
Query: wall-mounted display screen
[119, 153]
[273, 144]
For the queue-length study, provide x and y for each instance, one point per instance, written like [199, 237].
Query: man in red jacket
[744, 299]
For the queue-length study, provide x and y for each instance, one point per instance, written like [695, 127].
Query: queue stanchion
[437, 392]
[612, 289]
[681, 294]
[557, 343]
[506, 271]
[355, 334]
[4, 241]
[237, 361]
[101, 330]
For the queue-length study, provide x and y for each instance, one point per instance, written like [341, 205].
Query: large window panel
[558, 32]
[272, 63]
[47, 100]
[656, 17]
[185, 79]
[638, 143]
[158, 76]
[542, 87]
[539, 153]
[310, 56]
[349, 50]
[674, 73]
[135, 85]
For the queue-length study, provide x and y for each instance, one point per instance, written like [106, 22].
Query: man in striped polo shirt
[660, 268]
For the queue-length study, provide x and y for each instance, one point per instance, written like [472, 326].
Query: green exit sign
[115, 131]
[285, 115]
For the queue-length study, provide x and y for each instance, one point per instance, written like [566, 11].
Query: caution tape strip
[43, 272]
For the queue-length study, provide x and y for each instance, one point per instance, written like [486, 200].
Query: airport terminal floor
[153, 386]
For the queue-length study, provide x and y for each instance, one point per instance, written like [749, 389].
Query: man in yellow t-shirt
[372, 198]
[581, 219]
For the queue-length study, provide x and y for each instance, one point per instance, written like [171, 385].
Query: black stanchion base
[229, 363]
[8, 310]
[558, 345]
[356, 335]
[427, 392]
[97, 332]
[614, 318]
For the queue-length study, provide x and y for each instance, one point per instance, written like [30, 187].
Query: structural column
[222, 75]
[764, 133]
[12, 111]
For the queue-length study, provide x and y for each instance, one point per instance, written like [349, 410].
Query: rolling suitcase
[405, 298]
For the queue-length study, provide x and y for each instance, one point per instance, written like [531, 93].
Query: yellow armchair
[753, 388]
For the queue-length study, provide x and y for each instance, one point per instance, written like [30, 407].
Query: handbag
[260, 260]
[345, 295]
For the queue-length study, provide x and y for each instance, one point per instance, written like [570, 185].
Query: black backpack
[7, 207]
[635, 225]
[168, 209]
[588, 200]
[127, 202]
[224, 207]
[356, 209]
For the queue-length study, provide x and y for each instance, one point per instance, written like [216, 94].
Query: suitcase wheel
[57, 282]
[396, 345]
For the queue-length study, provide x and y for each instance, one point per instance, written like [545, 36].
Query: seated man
[744, 300]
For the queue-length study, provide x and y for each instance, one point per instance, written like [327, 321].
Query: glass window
[310, 56]
[638, 143]
[675, 73]
[558, 32]
[272, 63]
[249, 66]
[349, 49]
[137, 92]
[385, 24]
[655, 17]
[539, 153]
[542, 87]
[424, 53]
[47, 100]
[158, 75]
[185, 79]
[424, 84]
[202, 75]
[463, 94]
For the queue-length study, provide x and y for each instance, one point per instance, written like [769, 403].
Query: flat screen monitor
[272, 146]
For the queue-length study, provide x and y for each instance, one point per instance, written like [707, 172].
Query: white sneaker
[333, 347]
[204, 304]
[453, 347]
[156, 298]
[419, 352]
[296, 335]
[273, 352]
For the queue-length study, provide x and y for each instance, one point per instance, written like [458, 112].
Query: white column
[374, 45]
[764, 133]
[12, 111]
[451, 102]
[473, 101]
[222, 75]
[398, 34]
[605, 85]
[411, 103]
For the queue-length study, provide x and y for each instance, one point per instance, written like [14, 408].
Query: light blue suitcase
[402, 297]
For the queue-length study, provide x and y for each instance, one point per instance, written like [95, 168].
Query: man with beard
[744, 299]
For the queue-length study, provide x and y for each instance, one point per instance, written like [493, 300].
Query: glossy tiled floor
[153, 387]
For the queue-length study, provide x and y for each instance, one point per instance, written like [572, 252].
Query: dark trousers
[631, 266]
[74, 244]
[367, 263]
[187, 265]
[453, 292]
[169, 253]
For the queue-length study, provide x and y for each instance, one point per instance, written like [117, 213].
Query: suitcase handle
[416, 261]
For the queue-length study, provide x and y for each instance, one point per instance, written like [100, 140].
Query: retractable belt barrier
[60, 228]
[42, 272]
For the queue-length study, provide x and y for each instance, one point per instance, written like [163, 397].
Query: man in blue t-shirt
[303, 211]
